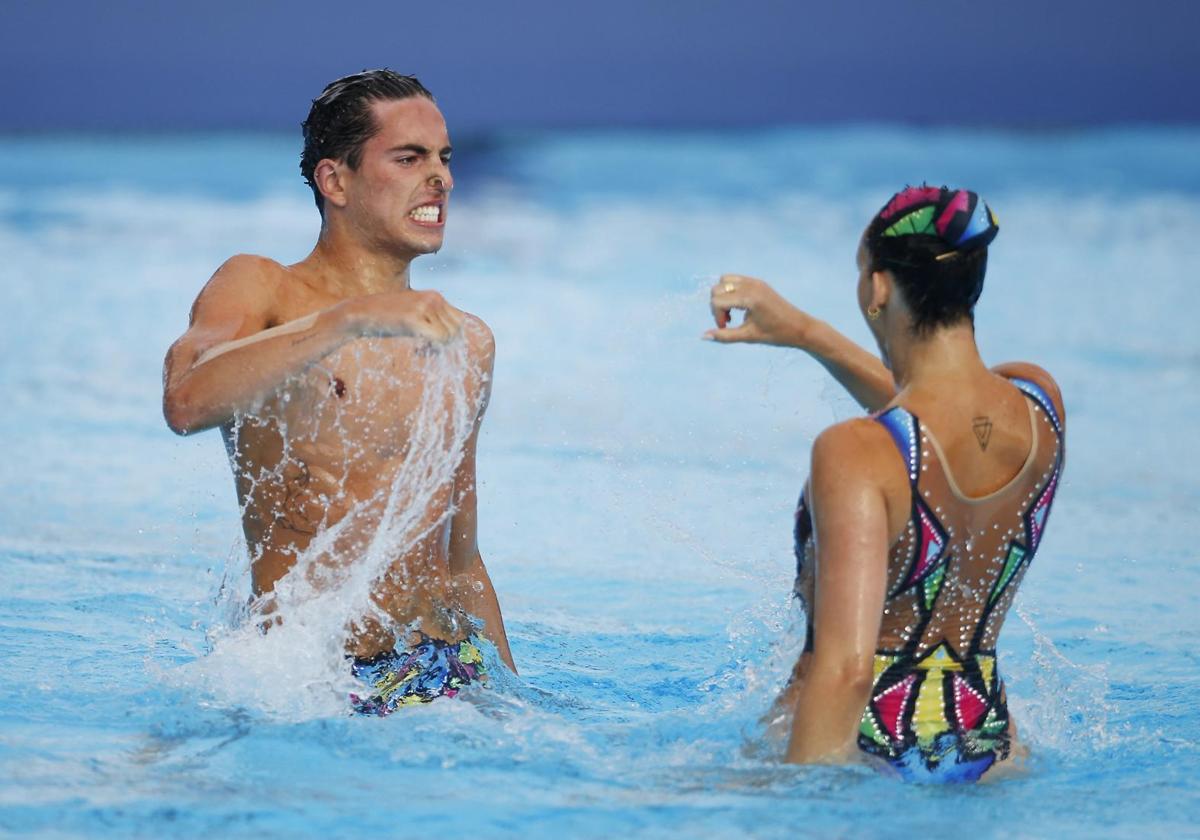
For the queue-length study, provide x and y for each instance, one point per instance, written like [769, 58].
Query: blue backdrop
[139, 64]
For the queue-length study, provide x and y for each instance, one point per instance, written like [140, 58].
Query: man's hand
[229, 358]
[769, 318]
[408, 314]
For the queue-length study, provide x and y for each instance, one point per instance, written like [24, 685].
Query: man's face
[399, 194]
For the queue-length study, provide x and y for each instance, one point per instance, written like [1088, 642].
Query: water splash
[1070, 707]
[297, 670]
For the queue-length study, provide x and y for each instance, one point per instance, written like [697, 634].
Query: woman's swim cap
[959, 218]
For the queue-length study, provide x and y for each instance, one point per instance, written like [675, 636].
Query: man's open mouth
[427, 213]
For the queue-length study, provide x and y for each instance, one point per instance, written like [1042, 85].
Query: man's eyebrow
[417, 149]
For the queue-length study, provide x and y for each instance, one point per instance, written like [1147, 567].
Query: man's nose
[442, 179]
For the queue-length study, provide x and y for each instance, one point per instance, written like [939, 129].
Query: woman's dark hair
[340, 120]
[941, 281]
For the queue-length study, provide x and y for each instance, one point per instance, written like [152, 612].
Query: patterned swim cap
[959, 218]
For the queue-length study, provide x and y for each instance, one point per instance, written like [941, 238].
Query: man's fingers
[445, 323]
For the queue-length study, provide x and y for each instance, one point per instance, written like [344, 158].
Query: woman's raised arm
[772, 320]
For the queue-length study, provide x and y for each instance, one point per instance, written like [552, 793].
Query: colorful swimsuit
[432, 669]
[937, 710]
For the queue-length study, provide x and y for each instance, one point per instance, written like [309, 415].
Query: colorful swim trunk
[408, 677]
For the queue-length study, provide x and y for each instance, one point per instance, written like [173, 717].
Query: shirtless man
[314, 372]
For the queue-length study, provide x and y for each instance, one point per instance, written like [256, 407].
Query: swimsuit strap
[929, 553]
[901, 424]
[1038, 394]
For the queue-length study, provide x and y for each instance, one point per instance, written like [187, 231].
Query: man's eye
[446, 159]
[408, 160]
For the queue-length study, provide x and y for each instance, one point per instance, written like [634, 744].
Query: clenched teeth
[427, 213]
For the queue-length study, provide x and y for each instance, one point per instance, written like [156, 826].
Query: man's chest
[368, 401]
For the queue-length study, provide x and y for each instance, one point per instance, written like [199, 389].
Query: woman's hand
[769, 318]
[772, 320]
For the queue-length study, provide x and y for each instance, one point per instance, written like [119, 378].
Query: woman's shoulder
[855, 464]
[860, 446]
[1040, 377]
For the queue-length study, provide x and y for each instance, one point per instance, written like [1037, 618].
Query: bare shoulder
[238, 300]
[1039, 376]
[244, 282]
[250, 273]
[856, 473]
[856, 449]
[481, 347]
[480, 339]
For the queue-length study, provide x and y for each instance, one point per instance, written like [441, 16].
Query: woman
[918, 522]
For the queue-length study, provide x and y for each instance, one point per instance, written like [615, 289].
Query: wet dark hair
[940, 282]
[340, 120]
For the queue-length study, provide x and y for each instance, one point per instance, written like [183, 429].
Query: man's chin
[420, 248]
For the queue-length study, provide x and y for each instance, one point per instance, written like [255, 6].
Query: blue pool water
[636, 491]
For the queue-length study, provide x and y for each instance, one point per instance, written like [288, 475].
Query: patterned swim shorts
[432, 669]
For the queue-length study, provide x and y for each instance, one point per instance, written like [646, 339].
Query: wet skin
[859, 491]
[312, 372]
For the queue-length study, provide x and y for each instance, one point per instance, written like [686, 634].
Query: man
[315, 372]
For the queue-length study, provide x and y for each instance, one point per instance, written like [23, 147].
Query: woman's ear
[882, 282]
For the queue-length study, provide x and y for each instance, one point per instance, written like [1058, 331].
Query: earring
[873, 312]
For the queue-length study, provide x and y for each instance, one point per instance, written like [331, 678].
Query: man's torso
[322, 457]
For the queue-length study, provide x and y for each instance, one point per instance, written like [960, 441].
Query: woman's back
[937, 707]
[918, 522]
[981, 424]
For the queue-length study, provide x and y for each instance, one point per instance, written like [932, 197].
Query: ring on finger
[728, 288]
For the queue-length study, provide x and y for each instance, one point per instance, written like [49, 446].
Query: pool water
[636, 492]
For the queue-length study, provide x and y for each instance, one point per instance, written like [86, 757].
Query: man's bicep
[199, 338]
[233, 304]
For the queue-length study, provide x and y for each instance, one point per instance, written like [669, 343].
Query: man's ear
[330, 177]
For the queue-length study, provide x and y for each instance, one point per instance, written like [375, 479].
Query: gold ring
[728, 288]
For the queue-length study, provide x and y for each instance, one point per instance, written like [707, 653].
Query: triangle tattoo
[983, 431]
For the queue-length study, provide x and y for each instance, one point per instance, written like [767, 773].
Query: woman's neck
[948, 353]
